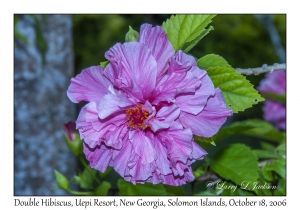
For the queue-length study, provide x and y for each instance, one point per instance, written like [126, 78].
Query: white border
[8, 8]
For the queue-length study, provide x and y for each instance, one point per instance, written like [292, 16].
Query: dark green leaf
[206, 193]
[277, 166]
[281, 98]
[127, 188]
[200, 171]
[265, 154]
[85, 179]
[235, 162]
[108, 170]
[174, 191]
[103, 188]
[281, 150]
[254, 127]
[281, 187]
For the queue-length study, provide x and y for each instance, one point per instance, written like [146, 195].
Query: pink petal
[92, 129]
[194, 103]
[158, 125]
[122, 156]
[170, 179]
[181, 63]
[162, 160]
[89, 85]
[161, 49]
[141, 171]
[166, 88]
[208, 122]
[135, 63]
[168, 113]
[143, 146]
[275, 113]
[99, 157]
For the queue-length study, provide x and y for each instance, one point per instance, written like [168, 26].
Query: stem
[265, 68]
[89, 169]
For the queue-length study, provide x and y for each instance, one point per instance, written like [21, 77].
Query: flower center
[136, 116]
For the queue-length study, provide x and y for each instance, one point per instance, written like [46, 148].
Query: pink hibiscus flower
[144, 108]
[274, 111]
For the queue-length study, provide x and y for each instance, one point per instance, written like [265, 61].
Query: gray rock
[41, 105]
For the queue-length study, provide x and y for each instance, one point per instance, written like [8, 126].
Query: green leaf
[131, 35]
[281, 150]
[206, 140]
[108, 170]
[281, 98]
[104, 64]
[235, 162]
[127, 188]
[281, 188]
[206, 193]
[181, 29]
[103, 188]
[174, 191]
[278, 166]
[200, 171]
[212, 60]
[61, 180]
[265, 154]
[188, 46]
[237, 91]
[254, 127]
[85, 179]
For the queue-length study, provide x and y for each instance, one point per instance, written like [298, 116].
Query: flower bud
[131, 35]
[61, 180]
[72, 138]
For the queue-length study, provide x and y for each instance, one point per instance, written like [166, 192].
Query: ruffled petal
[113, 103]
[92, 129]
[89, 85]
[170, 179]
[210, 119]
[122, 156]
[135, 62]
[166, 88]
[143, 146]
[99, 157]
[141, 171]
[194, 103]
[161, 48]
[162, 161]
[181, 63]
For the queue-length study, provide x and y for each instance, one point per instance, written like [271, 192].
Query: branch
[265, 68]
[268, 21]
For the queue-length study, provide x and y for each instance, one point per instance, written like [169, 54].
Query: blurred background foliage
[242, 40]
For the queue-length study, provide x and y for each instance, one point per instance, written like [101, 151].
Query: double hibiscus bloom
[144, 108]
